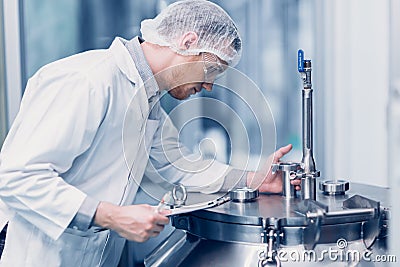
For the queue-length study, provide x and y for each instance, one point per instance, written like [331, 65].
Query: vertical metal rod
[308, 183]
[288, 169]
[307, 123]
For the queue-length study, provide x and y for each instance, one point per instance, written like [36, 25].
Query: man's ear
[188, 40]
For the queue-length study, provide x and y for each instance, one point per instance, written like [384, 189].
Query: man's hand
[135, 222]
[264, 180]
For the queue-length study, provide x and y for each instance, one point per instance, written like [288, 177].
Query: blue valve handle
[300, 60]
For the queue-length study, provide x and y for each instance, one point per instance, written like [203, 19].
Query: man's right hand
[135, 222]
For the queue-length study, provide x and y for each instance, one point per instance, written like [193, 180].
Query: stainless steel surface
[243, 194]
[239, 234]
[307, 120]
[193, 251]
[308, 187]
[244, 221]
[289, 172]
[307, 114]
[330, 187]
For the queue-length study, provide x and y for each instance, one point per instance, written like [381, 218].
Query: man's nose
[207, 86]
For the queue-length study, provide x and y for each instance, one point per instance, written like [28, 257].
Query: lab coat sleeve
[58, 119]
[171, 162]
[83, 219]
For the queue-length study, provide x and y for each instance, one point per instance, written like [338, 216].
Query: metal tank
[282, 231]
[341, 224]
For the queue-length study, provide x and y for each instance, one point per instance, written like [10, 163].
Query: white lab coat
[66, 143]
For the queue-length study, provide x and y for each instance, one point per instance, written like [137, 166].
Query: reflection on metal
[290, 171]
[243, 194]
[338, 187]
[251, 233]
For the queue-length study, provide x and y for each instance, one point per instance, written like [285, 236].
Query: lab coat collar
[143, 67]
[124, 60]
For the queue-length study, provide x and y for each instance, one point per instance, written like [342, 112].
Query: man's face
[198, 73]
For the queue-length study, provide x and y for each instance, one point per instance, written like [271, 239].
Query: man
[89, 125]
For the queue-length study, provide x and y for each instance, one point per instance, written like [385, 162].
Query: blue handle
[300, 60]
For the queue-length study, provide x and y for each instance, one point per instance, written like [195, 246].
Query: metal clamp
[264, 261]
[313, 230]
[179, 194]
[290, 171]
[271, 255]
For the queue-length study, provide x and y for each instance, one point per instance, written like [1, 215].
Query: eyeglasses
[212, 67]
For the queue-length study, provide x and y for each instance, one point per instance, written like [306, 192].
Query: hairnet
[216, 30]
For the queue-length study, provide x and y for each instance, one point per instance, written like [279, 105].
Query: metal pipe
[344, 213]
[289, 172]
[288, 189]
[308, 183]
[308, 187]
[307, 123]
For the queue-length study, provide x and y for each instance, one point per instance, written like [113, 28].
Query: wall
[353, 55]
[3, 117]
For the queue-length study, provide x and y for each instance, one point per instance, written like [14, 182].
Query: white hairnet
[217, 32]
